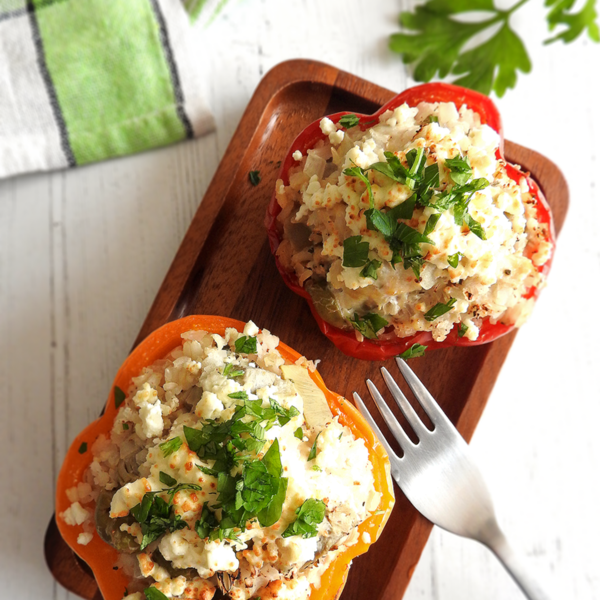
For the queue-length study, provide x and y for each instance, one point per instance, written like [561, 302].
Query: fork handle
[515, 565]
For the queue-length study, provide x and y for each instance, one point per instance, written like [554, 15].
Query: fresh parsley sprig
[259, 490]
[155, 515]
[414, 351]
[368, 324]
[245, 345]
[349, 121]
[153, 593]
[434, 40]
[308, 516]
[441, 308]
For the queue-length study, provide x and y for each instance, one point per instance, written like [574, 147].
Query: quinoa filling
[220, 479]
[412, 225]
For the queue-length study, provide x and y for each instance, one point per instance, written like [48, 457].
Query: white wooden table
[82, 254]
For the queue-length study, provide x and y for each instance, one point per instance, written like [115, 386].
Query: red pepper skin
[381, 350]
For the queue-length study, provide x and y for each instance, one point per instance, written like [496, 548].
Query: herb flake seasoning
[254, 177]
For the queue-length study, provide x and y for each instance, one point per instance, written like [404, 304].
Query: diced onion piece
[316, 410]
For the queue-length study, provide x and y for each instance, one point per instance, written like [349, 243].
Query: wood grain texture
[224, 267]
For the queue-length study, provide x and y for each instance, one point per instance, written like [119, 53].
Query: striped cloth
[86, 80]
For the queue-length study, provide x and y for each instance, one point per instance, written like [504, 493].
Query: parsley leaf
[460, 169]
[408, 235]
[171, 446]
[83, 448]
[238, 395]
[207, 522]
[119, 396]
[368, 324]
[462, 329]
[576, 23]
[309, 515]
[349, 121]
[156, 516]
[356, 253]
[475, 227]
[231, 372]
[245, 345]
[454, 259]
[413, 352]
[254, 177]
[440, 309]
[431, 223]
[360, 174]
[298, 433]
[435, 41]
[313, 451]
[370, 269]
[153, 593]
[167, 479]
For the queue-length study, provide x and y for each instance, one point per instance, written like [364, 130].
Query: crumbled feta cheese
[75, 514]
[84, 538]
[297, 155]
[327, 126]
[337, 137]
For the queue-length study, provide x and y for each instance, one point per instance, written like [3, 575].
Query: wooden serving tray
[224, 267]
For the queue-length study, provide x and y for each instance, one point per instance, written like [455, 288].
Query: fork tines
[425, 399]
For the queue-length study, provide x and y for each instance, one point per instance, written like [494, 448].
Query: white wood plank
[83, 253]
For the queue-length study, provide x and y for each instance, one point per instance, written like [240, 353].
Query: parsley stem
[516, 7]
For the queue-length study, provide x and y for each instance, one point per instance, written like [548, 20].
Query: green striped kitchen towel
[86, 80]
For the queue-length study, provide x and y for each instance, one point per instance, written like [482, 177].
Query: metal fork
[440, 478]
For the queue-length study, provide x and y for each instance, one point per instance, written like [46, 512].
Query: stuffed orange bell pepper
[222, 462]
[407, 228]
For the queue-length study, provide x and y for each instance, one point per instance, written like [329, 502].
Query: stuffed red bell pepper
[407, 228]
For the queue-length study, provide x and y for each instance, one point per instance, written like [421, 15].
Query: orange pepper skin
[346, 340]
[101, 557]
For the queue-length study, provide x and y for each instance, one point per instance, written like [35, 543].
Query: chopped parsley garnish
[356, 252]
[257, 490]
[83, 448]
[431, 223]
[454, 259]
[460, 169]
[156, 516]
[313, 451]
[413, 352]
[231, 372]
[440, 309]
[207, 522]
[370, 269]
[309, 515]
[475, 227]
[317, 468]
[167, 479]
[360, 174]
[153, 593]
[119, 396]
[171, 446]
[125, 426]
[245, 345]
[298, 433]
[368, 324]
[462, 329]
[238, 395]
[349, 121]
[254, 177]
[433, 119]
